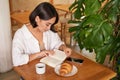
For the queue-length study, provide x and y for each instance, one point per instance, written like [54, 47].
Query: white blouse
[24, 43]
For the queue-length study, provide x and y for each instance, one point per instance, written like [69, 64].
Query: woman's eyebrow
[49, 23]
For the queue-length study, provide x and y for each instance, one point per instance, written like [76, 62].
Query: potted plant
[98, 27]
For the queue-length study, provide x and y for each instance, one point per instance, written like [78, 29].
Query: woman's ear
[37, 18]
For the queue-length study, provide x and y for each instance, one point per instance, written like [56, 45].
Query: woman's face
[44, 25]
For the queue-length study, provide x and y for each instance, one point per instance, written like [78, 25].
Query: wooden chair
[51, 1]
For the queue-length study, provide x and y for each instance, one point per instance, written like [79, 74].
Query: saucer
[73, 72]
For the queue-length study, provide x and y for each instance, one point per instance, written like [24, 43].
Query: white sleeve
[18, 54]
[56, 41]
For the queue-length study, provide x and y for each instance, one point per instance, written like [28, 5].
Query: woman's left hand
[67, 51]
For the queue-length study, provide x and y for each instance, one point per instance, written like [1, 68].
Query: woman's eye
[47, 24]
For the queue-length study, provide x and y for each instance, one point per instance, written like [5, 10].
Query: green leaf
[73, 21]
[91, 6]
[93, 19]
[111, 10]
[73, 6]
[77, 14]
[101, 53]
[107, 30]
[72, 29]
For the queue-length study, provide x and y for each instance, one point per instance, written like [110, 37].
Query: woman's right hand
[41, 54]
[45, 53]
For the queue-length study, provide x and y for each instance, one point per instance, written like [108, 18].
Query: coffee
[40, 68]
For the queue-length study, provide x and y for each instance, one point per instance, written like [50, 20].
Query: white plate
[73, 72]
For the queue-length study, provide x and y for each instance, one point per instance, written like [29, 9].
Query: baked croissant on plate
[65, 68]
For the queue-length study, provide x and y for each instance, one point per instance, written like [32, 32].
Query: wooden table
[88, 70]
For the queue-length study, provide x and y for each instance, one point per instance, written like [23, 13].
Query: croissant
[65, 68]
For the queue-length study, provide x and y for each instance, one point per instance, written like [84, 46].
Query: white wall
[5, 37]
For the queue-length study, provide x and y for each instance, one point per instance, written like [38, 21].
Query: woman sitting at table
[38, 38]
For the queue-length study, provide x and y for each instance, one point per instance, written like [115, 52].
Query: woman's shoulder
[21, 31]
[22, 28]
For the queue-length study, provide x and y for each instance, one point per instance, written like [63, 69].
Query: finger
[68, 51]
[44, 55]
[47, 54]
[52, 52]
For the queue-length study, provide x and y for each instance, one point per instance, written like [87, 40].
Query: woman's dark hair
[45, 11]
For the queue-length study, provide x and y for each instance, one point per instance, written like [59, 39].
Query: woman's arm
[40, 54]
[62, 47]
[56, 43]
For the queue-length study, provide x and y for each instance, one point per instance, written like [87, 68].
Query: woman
[38, 38]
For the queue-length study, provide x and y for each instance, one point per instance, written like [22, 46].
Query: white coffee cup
[40, 68]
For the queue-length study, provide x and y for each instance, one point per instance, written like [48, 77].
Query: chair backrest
[51, 1]
[61, 2]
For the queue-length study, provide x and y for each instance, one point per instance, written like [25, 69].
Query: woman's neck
[37, 34]
[30, 27]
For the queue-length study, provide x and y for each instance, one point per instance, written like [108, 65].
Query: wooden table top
[88, 70]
